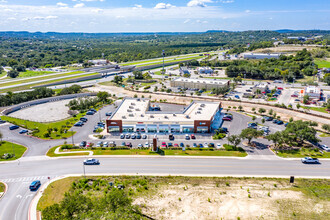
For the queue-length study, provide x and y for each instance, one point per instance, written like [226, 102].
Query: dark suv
[35, 185]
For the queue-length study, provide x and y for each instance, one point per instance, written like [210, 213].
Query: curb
[6, 188]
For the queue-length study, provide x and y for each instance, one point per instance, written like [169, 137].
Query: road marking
[19, 196]
[26, 179]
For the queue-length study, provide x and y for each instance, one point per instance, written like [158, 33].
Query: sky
[111, 16]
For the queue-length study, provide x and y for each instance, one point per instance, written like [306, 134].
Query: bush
[219, 136]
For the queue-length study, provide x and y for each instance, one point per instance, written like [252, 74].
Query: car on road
[91, 161]
[23, 131]
[90, 113]
[83, 119]
[35, 185]
[309, 160]
[79, 124]
[83, 144]
[13, 127]
[193, 136]
[325, 148]
[122, 136]
[187, 137]
[128, 136]
[144, 136]
[108, 114]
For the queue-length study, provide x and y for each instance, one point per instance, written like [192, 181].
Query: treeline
[16, 98]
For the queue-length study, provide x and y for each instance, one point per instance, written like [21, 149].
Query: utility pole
[100, 115]
[13, 148]
[84, 170]
[163, 53]
[72, 139]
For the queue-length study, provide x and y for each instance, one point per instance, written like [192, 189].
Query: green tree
[103, 96]
[250, 133]
[118, 80]
[306, 99]
[235, 140]
[13, 73]
[138, 74]
[261, 110]
[326, 127]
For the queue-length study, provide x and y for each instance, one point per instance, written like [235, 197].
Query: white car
[206, 145]
[91, 161]
[146, 144]
[309, 160]
[105, 144]
[325, 148]
[218, 145]
[140, 145]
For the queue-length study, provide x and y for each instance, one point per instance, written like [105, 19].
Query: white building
[260, 55]
[201, 83]
[204, 70]
[99, 62]
[313, 92]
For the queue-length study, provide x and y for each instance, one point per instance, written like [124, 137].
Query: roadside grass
[319, 109]
[2, 187]
[148, 84]
[303, 152]
[324, 134]
[321, 63]
[55, 192]
[3, 73]
[167, 152]
[39, 129]
[30, 73]
[26, 87]
[8, 147]
[306, 197]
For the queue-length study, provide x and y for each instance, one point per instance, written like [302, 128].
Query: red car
[294, 95]
[226, 118]
[280, 88]
[164, 144]
[89, 144]
[192, 136]
[176, 145]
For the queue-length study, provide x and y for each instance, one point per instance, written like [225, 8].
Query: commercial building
[201, 83]
[204, 70]
[260, 55]
[313, 92]
[134, 115]
[262, 87]
[184, 70]
[99, 62]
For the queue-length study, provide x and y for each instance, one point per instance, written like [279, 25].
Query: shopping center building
[134, 115]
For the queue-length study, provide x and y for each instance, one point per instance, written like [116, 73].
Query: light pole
[100, 115]
[72, 139]
[163, 53]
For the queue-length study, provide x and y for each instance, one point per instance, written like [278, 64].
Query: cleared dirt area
[244, 199]
[283, 49]
[47, 112]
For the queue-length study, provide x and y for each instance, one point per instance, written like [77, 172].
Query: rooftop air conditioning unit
[129, 110]
[131, 115]
[187, 116]
[137, 109]
[174, 114]
[202, 105]
[200, 109]
[123, 116]
[165, 116]
[132, 103]
[142, 115]
[151, 116]
[198, 112]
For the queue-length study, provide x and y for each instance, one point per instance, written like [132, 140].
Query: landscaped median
[120, 150]
[10, 151]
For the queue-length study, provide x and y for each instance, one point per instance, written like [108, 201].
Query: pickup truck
[309, 160]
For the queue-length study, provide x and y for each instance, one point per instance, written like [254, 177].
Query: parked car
[309, 160]
[169, 144]
[2, 121]
[128, 136]
[92, 110]
[128, 144]
[211, 144]
[146, 144]
[140, 145]
[253, 125]
[294, 95]
[164, 144]
[108, 114]
[237, 97]
[218, 145]
[89, 144]
[23, 131]
[79, 124]
[83, 144]
[91, 161]
[95, 128]
[200, 145]
[13, 127]
[35, 185]
[193, 136]
[122, 136]
[105, 144]
[325, 148]
[83, 119]
[187, 137]
[194, 145]
[144, 136]
[279, 122]
[138, 136]
[226, 118]
[176, 145]
[171, 137]
[181, 144]
[223, 130]
[275, 121]
[286, 124]
[99, 144]
[267, 118]
[133, 136]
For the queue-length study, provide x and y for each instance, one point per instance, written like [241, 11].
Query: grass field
[179, 197]
[42, 127]
[8, 147]
[319, 109]
[303, 152]
[321, 63]
[3, 73]
[167, 152]
[30, 73]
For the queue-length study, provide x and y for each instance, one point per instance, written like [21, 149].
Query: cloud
[198, 3]
[164, 6]
[3, 1]
[90, 0]
[61, 4]
[52, 17]
[120, 17]
[247, 11]
[136, 6]
[226, 1]
[186, 21]
[79, 5]
[97, 10]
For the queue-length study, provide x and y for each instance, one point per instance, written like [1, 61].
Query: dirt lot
[285, 48]
[47, 112]
[244, 199]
